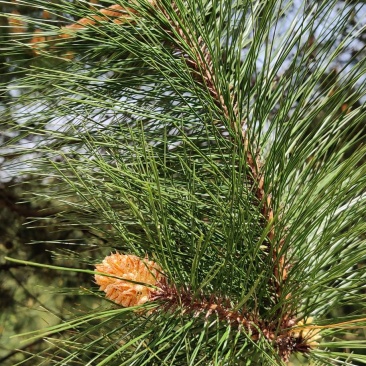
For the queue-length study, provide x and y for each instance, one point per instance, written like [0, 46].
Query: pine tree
[227, 182]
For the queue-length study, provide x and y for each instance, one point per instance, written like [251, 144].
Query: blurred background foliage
[31, 297]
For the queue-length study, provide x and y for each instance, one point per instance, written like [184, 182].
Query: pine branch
[203, 72]
[163, 151]
[280, 334]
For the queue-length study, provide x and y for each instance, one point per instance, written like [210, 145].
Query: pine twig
[203, 71]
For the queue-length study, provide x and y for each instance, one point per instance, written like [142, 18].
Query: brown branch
[203, 72]
[286, 340]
